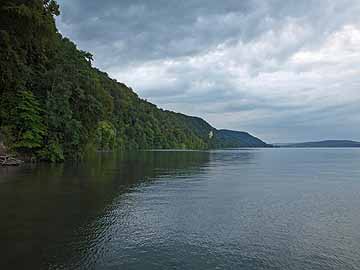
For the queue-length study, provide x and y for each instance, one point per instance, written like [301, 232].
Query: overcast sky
[285, 71]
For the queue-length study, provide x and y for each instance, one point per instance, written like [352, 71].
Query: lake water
[226, 209]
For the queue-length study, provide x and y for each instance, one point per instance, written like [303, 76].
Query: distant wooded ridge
[326, 143]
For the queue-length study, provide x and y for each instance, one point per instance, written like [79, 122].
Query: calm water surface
[228, 209]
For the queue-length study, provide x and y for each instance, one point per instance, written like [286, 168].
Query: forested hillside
[54, 104]
[229, 138]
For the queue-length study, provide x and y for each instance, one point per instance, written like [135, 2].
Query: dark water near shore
[230, 209]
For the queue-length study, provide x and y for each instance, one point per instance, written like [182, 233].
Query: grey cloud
[148, 29]
[157, 29]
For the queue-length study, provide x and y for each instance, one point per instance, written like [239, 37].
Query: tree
[52, 7]
[105, 136]
[28, 123]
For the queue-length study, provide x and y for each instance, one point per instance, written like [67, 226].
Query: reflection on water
[228, 209]
[45, 208]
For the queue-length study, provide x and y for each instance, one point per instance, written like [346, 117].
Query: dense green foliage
[229, 138]
[28, 127]
[63, 105]
[106, 136]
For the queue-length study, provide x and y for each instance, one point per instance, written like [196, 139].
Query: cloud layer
[283, 70]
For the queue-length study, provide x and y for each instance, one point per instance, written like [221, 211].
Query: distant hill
[224, 138]
[221, 138]
[328, 143]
